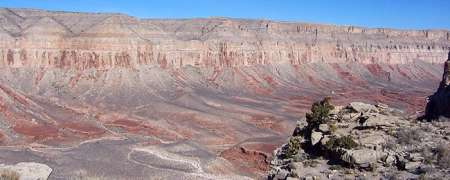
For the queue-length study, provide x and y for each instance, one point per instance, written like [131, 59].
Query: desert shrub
[428, 155]
[408, 136]
[422, 177]
[345, 142]
[292, 147]
[372, 167]
[293, 174]
[336, 167]
[443, 156]
[391, 144]
[9, 175]
[319, 113]
[333, 128]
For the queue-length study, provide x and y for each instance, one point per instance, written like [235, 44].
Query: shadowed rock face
[439, 102]
[208, 92]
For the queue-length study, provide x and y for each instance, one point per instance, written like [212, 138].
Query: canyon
[208, 98]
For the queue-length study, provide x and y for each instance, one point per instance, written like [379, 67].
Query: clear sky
[404, 14]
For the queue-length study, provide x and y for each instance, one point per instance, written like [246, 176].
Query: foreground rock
[364, 141]
[28, 170]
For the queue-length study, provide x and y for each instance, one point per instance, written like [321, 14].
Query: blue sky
[404, 14]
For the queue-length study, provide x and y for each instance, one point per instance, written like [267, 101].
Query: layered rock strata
[36, 38]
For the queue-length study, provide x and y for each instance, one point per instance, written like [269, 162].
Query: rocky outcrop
[45, 39]
[351, 149]
[439, 103]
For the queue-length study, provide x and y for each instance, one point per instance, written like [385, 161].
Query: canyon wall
[36, 38]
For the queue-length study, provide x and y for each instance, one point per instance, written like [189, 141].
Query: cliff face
[439, 102]
[74, 40]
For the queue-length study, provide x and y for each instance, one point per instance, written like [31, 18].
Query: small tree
[292, 147]
[319, 113]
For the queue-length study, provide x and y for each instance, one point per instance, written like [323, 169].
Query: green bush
[292, 147]
[345, 142]
[333, 128]
[319, 113]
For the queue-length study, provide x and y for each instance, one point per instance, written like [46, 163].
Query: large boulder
[316, 137]
[362, 107]
[324, 128]
[378, 120]
[362, 157]
[29, 170]
[412, 166]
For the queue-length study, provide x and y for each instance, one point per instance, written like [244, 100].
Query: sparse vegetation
[443, 156]
[293, 147]
[422, 177]
[293, 174]
[333, 128]
[373, 167]
[428, 155]
[9, 175]
[345, 142]
[336, 167]
[408, 136]
[391, 143]
[319, 113]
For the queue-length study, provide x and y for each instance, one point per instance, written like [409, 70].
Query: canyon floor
[191, 122]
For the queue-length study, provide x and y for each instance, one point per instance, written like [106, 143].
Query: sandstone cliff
[39, 38]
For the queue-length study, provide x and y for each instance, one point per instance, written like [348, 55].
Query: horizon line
[226, 17]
